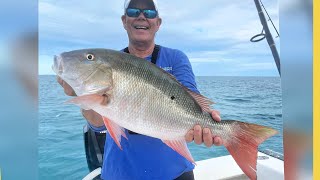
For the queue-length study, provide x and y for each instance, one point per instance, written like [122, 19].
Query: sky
[214, 34]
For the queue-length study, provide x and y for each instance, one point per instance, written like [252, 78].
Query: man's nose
[141, 16]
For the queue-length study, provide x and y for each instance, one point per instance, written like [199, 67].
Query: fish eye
[90, 57]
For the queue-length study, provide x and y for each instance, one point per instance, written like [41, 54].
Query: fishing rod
[267, 35]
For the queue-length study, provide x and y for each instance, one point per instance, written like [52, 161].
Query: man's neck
[141, 50]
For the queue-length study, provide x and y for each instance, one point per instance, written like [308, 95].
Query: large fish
[132, 93]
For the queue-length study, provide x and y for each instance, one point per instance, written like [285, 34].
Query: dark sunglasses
[148, 13]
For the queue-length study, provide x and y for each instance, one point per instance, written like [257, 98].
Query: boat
[219, 168]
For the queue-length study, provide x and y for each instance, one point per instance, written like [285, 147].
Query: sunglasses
[148, 13]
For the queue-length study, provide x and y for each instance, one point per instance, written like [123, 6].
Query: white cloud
[82, 23]
[259, 66]
[215, 20]
[208, 56]
[206, 30]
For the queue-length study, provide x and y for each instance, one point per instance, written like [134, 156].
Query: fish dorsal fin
[203, 101]
[114, 130]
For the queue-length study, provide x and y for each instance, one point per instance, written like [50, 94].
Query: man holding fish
[153, 156]
[141, 33]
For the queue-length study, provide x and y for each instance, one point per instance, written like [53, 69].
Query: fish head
[87, 71]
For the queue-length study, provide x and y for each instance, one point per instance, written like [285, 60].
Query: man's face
[140, 29]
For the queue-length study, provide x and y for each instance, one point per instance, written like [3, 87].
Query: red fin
[89, 101]
[114, 130]
[181, 147]
[123, 133]
[203, 101]
[243, 144]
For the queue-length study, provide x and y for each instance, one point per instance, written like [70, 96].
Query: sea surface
[61, 147]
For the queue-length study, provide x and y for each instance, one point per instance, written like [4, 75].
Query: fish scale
[132, 93]
[157, 98]
[154, 117]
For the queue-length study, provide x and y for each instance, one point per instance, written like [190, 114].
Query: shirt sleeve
[182, 70]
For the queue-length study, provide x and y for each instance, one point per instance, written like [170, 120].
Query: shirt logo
[169, 68]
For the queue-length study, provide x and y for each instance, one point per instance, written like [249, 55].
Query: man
[144, 157]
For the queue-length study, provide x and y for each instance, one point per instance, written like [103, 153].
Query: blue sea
[61, 148]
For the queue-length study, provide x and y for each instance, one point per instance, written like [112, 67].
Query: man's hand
[199, 135]
[66, 87]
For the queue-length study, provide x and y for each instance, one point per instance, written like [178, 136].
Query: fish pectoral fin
[89, 101]
[114, 130]
[180, 146]
[79, 101]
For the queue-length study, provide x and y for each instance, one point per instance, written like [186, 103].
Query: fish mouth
[57, 66]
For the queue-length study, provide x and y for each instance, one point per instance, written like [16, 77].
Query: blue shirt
[145, 157]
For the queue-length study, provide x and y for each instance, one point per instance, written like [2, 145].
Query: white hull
[225, 168]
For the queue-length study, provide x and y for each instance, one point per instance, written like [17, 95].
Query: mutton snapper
[132, 93]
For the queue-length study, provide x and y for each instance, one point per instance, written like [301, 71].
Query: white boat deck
[225, 168]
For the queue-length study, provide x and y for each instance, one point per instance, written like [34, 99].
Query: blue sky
[215, 34]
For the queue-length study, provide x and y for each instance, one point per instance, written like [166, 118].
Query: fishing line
[262, 35]
[270, 19]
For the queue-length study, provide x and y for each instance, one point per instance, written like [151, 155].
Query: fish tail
[243, 142]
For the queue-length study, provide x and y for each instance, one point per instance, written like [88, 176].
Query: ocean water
[61, 147]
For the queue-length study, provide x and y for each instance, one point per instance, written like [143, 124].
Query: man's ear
[123, 18]
[159, 22]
